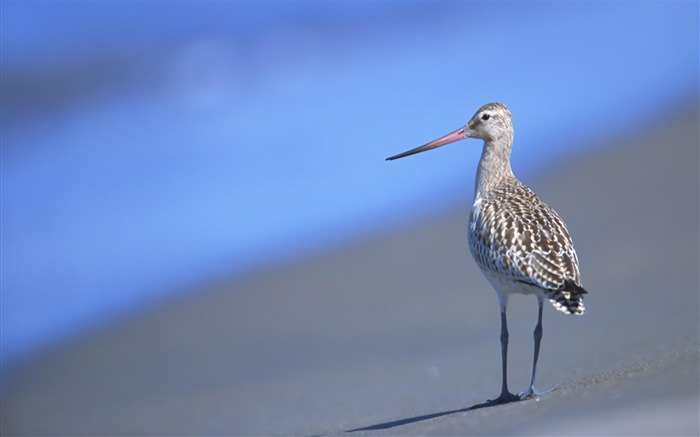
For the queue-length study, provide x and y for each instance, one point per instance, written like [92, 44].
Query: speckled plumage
[517, 237]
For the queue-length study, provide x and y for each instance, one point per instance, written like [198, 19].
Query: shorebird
[520, 244]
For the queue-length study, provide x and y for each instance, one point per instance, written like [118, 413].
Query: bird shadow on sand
[401, 422]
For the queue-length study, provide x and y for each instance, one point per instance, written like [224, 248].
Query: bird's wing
[546, 256]
[516, 235]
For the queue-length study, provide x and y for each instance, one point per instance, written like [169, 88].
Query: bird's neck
[494, 166]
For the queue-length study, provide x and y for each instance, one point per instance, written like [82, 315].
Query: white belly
[505, 287]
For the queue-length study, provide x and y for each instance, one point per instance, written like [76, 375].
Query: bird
[520, 244]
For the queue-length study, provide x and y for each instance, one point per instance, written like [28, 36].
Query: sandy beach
[398, 334]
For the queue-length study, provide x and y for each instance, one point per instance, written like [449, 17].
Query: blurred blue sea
[150, 147]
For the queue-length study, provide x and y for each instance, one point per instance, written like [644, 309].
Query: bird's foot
[505, 398]
[532, 392]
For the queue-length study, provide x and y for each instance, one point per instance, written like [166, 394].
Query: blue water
[151, 147]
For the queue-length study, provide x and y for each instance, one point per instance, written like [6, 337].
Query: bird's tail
[569, 299]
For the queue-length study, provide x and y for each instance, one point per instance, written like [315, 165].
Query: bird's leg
[538, 337]
[505, 396]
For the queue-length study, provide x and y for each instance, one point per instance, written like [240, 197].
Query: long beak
[457, 135]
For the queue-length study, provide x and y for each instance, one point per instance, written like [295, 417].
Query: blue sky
[151, 147]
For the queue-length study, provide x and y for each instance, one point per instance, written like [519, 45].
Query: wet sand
[389, 334]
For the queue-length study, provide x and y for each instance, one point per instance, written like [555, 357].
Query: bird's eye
[485, 117]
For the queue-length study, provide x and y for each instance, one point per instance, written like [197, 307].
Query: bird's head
[491, 122]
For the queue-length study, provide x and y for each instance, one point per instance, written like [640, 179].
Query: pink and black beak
[457, 135]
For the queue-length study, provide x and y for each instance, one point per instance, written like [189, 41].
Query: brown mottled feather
[515, 235]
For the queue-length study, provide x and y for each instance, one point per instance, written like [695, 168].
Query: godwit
[520, 244]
